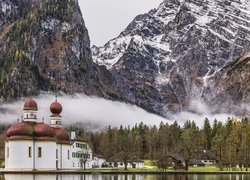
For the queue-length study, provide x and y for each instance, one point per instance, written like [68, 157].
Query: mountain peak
[163, 59]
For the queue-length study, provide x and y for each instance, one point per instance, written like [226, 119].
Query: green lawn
[207, 168]
[149, 166]
[148, 162]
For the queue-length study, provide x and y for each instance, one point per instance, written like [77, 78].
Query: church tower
[56, 118]
[30, 110]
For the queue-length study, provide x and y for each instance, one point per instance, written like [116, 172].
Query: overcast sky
[105, 19]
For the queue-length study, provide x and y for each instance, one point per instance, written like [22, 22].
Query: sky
[106, 19]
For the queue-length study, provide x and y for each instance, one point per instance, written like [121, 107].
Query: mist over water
[94, 113]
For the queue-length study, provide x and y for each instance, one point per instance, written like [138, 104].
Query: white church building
[33, 145]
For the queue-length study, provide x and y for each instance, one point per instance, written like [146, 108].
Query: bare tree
[84, 156]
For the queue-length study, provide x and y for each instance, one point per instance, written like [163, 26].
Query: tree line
[230, 142]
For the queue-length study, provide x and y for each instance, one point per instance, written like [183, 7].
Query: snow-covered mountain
[178, 53]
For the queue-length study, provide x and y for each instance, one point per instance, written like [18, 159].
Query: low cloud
[182, 117]
[97, 113]
[198, 111]
[91, 111]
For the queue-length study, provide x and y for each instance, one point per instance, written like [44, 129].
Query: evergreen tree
[207, 133]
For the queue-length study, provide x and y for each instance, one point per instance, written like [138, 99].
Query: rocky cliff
[182, 51]
[44, 45]
[232, 87]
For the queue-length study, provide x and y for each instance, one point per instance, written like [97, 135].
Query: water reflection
[123, 177]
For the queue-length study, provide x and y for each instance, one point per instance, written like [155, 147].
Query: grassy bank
[149, 168]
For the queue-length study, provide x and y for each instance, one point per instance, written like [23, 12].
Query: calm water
[124, 177]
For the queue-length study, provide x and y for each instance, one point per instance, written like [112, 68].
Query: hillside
[45, 46]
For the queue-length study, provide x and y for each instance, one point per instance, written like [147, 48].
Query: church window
[8, 151]
[57, 154]
[39, 151]
[68, 155]
[29, 151]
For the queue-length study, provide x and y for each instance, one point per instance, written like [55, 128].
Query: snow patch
[111, 52]
[50, 24]
[66, 27]
[75, 47]
[6, 7]
[162, 79]
[159, 44]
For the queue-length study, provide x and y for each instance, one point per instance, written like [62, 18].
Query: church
[33, 145]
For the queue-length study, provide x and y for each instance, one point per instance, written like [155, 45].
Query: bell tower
[30, 110]
[56, 118]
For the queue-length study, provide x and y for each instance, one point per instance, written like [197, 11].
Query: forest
[230, 142]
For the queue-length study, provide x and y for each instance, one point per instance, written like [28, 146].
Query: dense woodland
[230, 142]
[17, 55]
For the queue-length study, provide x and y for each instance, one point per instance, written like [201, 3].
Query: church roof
[26, 130]
[62, 136]
[56, 108]
[37, 131]
[29, 131]
[30, 104]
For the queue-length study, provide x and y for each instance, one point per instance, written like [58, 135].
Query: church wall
[47, 160]
[19, 155]
[5, 154]
[67, 156]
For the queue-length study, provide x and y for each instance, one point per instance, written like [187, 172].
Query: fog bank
[97, 113]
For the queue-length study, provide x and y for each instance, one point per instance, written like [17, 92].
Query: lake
[124, 177]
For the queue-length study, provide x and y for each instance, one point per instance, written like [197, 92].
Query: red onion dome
[20, 130]
[43, 130]
[30, 104]
[61, 135]
[56, 107]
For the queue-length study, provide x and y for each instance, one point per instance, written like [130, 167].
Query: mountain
[44, 45]
[232, 90]
[182, 52]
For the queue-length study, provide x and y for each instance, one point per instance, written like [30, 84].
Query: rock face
[232, 90]
[181, 51]
[44, 45]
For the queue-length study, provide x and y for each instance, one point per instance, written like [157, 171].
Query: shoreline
[120, 172]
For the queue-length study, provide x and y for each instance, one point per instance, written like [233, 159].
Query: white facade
[64, 156]
[48, 155]
[81, 153]
[29, 155]
[30, 116]
[32, 145]
[56, 121]
[45, 159]
[98, 161]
